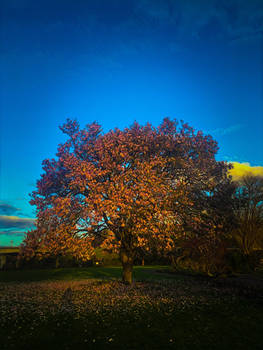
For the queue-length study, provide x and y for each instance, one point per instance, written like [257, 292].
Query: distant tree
[128, 187]
[248, 211]
[206, 224]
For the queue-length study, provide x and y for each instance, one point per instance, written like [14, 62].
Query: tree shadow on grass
[110, 273]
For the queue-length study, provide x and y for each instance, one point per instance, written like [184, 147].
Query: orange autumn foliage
[134, 183]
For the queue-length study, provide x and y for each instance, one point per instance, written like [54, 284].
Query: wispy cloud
[12, 233]
[224, 19]
[7, 209]
[15, 222]
[241, 169]
[225, 131]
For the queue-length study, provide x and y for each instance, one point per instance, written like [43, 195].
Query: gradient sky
[116, 62]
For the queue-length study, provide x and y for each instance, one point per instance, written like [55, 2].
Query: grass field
[91, 309]
[70, 274]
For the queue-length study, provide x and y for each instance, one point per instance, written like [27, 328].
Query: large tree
[133, 185]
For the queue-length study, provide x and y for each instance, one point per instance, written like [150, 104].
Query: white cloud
[241, 169]
[15, 222]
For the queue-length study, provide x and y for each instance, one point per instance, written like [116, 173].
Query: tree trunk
[127, 266]
[57, 262]
[173, 262]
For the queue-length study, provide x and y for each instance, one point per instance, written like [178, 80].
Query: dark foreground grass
[162, 311]
[71, 274]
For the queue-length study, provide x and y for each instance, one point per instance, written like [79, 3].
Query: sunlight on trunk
[127, 266]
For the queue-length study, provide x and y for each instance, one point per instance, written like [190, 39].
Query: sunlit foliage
[135, 188]
[50, 240]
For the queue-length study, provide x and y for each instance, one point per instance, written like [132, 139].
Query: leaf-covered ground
[175, 313]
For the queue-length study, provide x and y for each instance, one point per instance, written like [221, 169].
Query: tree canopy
[133, 188]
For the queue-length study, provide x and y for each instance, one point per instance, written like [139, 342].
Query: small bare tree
[248, 213]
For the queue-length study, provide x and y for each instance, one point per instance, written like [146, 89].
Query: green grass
[70, 274]
[159, 311]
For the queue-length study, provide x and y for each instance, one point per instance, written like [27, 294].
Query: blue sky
[120, 61]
